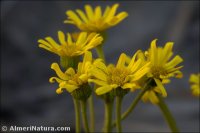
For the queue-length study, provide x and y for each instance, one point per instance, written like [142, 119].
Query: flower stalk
[84, 115]
[92, 115]
[67, 62]
[108, 116]
[77, 113]
[118, 114]
[135, 102]
[99, 48]
[167, 115]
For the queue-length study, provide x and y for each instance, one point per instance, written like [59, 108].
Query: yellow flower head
[95, 20]
[162, 67]
[123, 75]
[195, 84]
[72, 79]
[71, 47]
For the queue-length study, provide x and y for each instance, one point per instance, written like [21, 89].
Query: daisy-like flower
[162, 67]
[122, 76]
[95, 20]
[74, 81]
[195, 87]
[71, 47]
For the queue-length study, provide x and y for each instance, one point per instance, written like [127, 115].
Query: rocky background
[27, 98]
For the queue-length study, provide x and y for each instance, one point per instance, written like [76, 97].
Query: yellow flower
[71, 47]
[162, 67]
[122, 75]
[71, 79]
[195, 87]
[95, 20]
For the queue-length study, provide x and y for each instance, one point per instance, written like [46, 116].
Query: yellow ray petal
[165, 81]
[83, 77]
[93, 43]
[112, 12]
[121, 16]
[68, 87]
[167, 52]
[153, 98]
[87, 67]
[61, 37]
[159, 56]
[121, 61]
[52, 42]
[178, 74]
[136, 65]
[175, 61]
[139, 74]
[171, 70]
[59, 90]
[103, 89]
[72, 82]
[82, 15]
[53, 79]
[92, 35]
[145, 97]
[82, 38]
[43, 42]
[70, 71]
[100, 65]
[86, 62]
[74, 17]
[45, 47]
[160, 85]
[89, 12]
[87, 57]
[70, 22]
[107, 10]
[132, 61]
[69, 39]
[129, 86]
[98, 74]
[153, 53]
[97, 12]
[98, 82]
[60, 74]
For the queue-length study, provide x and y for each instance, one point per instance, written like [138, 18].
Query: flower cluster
[72, 46]
[95, 20]
[121, 75]
[146, 71]
[162, 67]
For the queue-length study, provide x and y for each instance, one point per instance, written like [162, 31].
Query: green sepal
[82, 93]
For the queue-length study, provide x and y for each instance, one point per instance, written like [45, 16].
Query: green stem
[133, 105]
[167, 114]
[67, 62]
[92, 115]
[84, 116]
[100, 52]
[135, 102]
[118, 114]
[77, 113]
[108, 116]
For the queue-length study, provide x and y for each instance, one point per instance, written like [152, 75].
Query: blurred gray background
[27, 98]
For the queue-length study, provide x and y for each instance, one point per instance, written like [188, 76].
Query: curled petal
[60, 74]
[53, 79]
